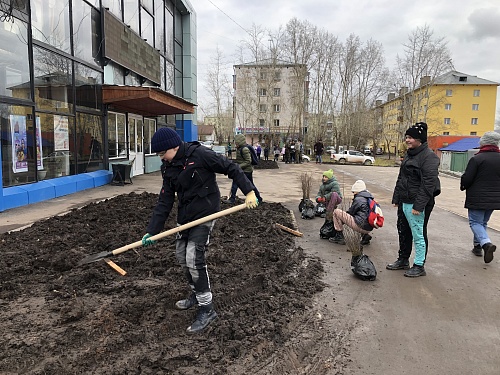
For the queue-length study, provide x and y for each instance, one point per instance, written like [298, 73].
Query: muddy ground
[60, 318]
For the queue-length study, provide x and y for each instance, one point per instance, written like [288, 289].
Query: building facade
[454, 104]
[270, 100]
[84, 84]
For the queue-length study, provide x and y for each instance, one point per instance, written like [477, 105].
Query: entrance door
[136, 138]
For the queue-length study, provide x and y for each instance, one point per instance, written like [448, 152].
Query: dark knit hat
[418, 131]
[164, 139]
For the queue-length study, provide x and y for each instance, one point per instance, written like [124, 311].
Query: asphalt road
[443, 323]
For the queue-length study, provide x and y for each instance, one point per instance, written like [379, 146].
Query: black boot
[230, 200]
[185, 304]
[205, 315]
[477, 251]
[415, 271]
[338, 239]
[400, 264]
[365, 239]
[489, 249]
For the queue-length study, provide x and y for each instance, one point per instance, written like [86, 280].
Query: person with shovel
[189, 170]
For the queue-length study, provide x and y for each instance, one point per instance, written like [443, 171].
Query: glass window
[262, 122]
[178, 83]
[132, 79]
[147, 25]
[473, 121]
[178, 57]
[88, 87]
[447, 121]
[449, 92]
[170, 78]
[114, 7]
[178, 26]
[89, 150]
[262, 92]
[277, 92]
[149, 130]
[160, 26]
[446, 133]
[53, 82]
[14, 66]
[87, 32]
[276, 122]
[114, 74]
[475, 107]
[169, 35]
[50, 23]
[447, 107]
[131, 14]
[58, 152]
[477, 92]
[473, 133]
[276, 107]
[18, 153]
[116, 135]
[262, 108]
[148, 4]
[162, 71]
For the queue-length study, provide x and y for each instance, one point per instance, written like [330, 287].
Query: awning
[146, 101]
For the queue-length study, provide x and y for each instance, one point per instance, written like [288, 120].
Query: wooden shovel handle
[181, 228]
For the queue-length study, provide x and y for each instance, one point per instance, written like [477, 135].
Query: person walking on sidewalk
[481, 182]
[318, 151]
[244, 160]
[416, 187]
[189, 170]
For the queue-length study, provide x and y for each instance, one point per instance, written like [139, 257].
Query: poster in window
[39, 150]
[19, 143]
[61, 135]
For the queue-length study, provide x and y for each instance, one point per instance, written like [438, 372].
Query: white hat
[358, 186]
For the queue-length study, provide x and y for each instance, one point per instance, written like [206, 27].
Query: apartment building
[84, 84]
[270, 100]
[455, 104]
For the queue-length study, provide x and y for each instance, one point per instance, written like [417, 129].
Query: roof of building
[205, 129]
[453, 78]
[462, 145]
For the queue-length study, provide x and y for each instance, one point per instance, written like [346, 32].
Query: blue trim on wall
[189, 129]
[17, 196]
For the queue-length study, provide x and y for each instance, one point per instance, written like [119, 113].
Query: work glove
[251, 200]
[320, 200]
[146, 241]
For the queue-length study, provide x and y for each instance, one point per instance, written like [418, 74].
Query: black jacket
[192, 175]
[360, 209]
[418, 181]
[481, 181]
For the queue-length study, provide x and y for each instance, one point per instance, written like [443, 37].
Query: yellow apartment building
[452, 104]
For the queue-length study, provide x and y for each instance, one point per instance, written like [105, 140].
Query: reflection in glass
[53, 83]
[170, 78]
[160, 26]
[86, 32]
[114, 7]
[14, 62]
[89, 139]
[169, 30]
[50, 23]
[88, 87]
[116, 135]
[147, 25]
[131, 14]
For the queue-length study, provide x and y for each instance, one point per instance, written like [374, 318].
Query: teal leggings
[416, 223]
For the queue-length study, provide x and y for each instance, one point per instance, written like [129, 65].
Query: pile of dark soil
[60, 318]
[266, 164]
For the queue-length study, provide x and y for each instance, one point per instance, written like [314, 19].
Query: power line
[210, 1]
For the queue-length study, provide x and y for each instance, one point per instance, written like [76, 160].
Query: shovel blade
[95, 257]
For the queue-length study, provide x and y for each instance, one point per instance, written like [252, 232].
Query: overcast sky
[471, 28]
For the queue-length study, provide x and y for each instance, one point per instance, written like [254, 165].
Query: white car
[306, 158]
[209, 144]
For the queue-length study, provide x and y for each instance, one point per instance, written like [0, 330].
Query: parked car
[221, 150]
[367, 151]
[209, 144]
[379, 151]
[306, 159]
[351, 156]
[329, 149]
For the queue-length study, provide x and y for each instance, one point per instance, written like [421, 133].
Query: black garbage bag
[306, 208]
[320, 210]
[363, 267]
[327, 230]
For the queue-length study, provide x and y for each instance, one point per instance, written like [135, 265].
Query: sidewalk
[275, 185]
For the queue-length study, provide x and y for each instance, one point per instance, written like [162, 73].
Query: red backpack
[375, 216]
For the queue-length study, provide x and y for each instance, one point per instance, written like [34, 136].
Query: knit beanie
[164, 139]
[418, 131]
[490, 139]
[328, 174]
[358, 186]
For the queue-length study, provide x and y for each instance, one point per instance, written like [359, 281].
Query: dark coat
[481, 182]
[360, 209]
[418, 180]
[192, 175]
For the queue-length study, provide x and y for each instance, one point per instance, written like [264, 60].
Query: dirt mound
[58, 318]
